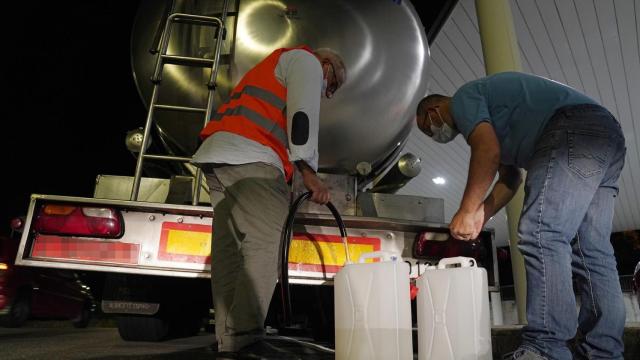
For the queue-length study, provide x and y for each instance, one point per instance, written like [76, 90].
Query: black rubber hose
[284, 252]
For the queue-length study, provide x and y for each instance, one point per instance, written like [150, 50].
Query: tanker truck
[150, 233]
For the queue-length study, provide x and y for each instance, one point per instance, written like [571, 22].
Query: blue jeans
[565, 230]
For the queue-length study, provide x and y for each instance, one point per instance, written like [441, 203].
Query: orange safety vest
[256, 109]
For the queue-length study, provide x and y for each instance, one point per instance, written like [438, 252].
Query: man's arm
[503, 191]
[320, 192]
[483, 166]
[302, 75]
[303, 79]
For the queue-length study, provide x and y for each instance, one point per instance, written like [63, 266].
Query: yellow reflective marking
[189, 242]
[303, 251]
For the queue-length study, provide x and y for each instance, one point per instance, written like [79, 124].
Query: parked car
[31, 292]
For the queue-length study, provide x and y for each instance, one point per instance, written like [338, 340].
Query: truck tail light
[3, 269]
[435, 246]
[17, 224]
[79, 221]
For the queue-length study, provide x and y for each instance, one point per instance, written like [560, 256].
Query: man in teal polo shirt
[573, 150]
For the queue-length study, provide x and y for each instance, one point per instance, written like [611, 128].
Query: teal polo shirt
[518, 107]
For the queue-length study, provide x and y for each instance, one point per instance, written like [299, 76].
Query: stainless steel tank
[382, 42]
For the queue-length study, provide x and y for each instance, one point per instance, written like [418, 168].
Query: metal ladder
[163, 59]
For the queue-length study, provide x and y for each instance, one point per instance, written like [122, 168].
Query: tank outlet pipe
[285, 242]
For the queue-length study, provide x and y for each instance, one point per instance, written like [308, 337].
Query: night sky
[69, 98]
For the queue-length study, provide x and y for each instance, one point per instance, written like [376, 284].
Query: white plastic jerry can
[373, 309]
[453, 311]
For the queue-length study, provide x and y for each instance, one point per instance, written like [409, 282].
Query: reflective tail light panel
[73, 220]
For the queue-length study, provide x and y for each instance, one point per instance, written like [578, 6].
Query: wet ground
[50, 340]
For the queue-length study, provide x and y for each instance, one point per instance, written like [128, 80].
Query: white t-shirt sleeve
[300, 72]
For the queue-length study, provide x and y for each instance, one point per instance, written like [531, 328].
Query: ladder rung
[188, 61]
[195, 20]
[180, 108]
[166, 157]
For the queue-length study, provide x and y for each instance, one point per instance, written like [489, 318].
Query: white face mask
[442, 134]
[324, 88]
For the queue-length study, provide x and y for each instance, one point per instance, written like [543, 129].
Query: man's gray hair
[336, 61]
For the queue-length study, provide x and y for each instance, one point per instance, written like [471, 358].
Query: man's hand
[467, 225]
[319, 191]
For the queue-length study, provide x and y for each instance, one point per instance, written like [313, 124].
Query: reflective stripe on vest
[257, 119]
[261, 94]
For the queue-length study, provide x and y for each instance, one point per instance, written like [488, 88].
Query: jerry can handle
[384, 255]
[461, 261]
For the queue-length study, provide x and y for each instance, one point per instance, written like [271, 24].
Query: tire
[82, 320]
[19, 313]
[142, 328]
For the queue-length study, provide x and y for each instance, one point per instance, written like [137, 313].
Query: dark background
[69, 98]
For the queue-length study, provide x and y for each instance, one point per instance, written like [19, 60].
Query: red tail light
[3, 269]
[413, 291]
[436, 246]
[79, 221]
[17, 224]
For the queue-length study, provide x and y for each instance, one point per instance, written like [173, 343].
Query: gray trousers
[250, 205]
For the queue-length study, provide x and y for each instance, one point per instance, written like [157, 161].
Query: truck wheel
[20, 311]
[142, 328]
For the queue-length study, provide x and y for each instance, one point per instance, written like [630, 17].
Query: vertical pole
[496, 307]
[501, 53]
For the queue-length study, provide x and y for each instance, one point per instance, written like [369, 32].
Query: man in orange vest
[269, 123]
